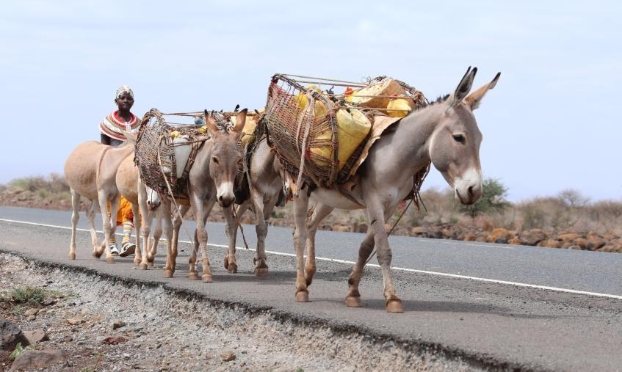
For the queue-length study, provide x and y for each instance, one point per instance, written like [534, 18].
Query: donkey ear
[211, 123]
[475, 98]
[131, 137]
[464, 87]
[240, 120]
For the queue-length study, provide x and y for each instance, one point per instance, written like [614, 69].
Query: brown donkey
[90, 172]
[130, 186]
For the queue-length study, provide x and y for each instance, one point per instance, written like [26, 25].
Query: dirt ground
[91, 324]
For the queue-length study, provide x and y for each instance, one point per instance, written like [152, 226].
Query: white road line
[517, 284]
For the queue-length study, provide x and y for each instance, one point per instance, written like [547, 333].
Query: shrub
[492, 200]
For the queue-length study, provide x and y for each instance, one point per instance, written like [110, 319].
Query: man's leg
[127, 247]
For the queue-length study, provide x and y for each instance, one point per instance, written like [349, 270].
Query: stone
[227, 356]
[30, 360]
[35, 336]
[500, 235]
[11, 335]
[532, 237]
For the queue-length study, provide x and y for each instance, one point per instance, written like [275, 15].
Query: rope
[416, 197]
[373, 253]
[319, 80]
[235, 216]
[305, 137]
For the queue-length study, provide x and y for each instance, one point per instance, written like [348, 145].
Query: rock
[30, 360]
[36, 336]
[567, 237]
[500, 235]
[532, 237]
[340, 228]
[448, 233]
[469, 237]
[426, 232]
[31, 312]
[10, 336]
[581, 242]
[75, 321]
[594, 243]
[118, 324]
[227, 356]
[114, 340]
[359, 227]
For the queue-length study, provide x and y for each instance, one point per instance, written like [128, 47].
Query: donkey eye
[459, 138]
[215, 159]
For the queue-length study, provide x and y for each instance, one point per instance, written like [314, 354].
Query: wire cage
[318, 134]
[155, 149]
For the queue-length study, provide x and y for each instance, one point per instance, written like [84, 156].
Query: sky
[549, 125]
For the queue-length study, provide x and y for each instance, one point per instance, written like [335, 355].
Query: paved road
[496, 306]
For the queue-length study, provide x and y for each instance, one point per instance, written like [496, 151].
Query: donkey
[444, 133]
[211, 180]
[130, 186]
[265, 184]
[90, 171]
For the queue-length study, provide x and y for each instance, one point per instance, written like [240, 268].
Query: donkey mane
[427, 103]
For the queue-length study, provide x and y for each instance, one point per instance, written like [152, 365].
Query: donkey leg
[137, 224]
[231, 229]
[262, 214]
[201, 242]
[98, 249]
[145, 231]
[192, 261]
[353, 299]
[75, 217]
[172, 248]
[301, 203]
[157, 234]
[202, 210]
[319, 212]
[393, 304]
[109, 221]
[146, 216]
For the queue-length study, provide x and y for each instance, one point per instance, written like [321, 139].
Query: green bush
[492, 200]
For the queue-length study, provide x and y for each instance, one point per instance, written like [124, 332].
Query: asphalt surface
[495, 306]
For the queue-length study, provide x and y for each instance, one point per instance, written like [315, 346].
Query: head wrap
[124, 89]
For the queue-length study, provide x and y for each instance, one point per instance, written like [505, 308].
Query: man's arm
[105, 139]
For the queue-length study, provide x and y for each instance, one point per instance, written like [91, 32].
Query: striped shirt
[113, 126]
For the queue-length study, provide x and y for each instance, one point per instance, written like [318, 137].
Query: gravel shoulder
[105, 324]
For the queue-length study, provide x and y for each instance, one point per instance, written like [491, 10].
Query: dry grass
[567, 211]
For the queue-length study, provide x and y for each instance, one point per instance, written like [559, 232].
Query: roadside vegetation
[566, 220]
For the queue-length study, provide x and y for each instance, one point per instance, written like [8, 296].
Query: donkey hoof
[169, 273]
[232, 269]
[193, 276]
[262, 272]
[353, 301]
[206, 278]
[110, 260]
[302, 296]
[72, 256]
[394, 306]
[143, 266]
[96, 255]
